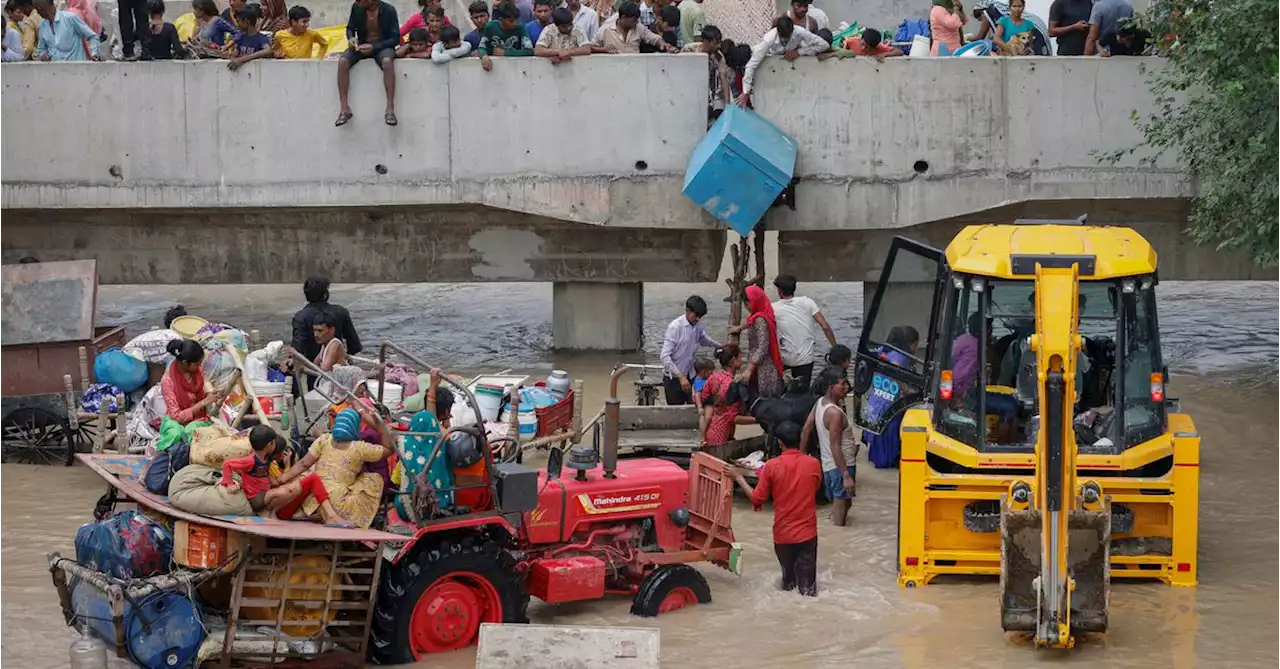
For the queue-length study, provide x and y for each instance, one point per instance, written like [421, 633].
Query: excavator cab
[1021, 373]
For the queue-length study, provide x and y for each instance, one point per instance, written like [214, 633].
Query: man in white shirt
[584, 17]
[806, 16]
[786, 39]
[796, 316]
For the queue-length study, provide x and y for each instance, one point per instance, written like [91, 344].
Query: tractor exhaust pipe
[613, 419]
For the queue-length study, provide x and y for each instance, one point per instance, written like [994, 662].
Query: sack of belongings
[198, 489]
[126, 544]
[211, 446]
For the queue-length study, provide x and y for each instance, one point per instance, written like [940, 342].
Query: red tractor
[627, 528]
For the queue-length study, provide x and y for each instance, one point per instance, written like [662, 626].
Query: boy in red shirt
[793, 480]
[265, 496]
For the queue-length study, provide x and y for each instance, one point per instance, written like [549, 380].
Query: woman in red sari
[764, 358]
[185, 397]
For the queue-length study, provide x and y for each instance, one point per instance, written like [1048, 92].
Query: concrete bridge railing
[601, 140]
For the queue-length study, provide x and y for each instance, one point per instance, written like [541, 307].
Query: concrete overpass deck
[189, 173]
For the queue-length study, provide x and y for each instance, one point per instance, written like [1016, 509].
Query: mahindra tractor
[586, 526]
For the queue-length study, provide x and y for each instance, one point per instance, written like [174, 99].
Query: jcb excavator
[1021, 371]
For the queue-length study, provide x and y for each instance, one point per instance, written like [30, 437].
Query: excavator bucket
[1088, 563]
[1019, 569]
[1089, 557]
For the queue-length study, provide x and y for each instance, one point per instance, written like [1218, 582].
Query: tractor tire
[436, 599]
[668, 588]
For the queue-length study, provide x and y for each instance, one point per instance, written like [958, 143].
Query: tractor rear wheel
[669, 588]
[435, 600]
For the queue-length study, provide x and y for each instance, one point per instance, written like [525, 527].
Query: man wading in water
[792, 480]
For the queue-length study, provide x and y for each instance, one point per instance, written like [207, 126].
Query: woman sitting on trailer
[185, 397]
[339, 459]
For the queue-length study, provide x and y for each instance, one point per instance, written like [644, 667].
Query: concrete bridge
[189, 173]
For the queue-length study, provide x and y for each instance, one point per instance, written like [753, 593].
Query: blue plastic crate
[740, 167]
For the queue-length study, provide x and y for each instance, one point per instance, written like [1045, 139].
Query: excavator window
[997, 378]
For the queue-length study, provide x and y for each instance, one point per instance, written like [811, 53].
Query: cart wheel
[37, 436]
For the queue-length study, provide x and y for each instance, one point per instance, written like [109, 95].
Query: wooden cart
[50, 344]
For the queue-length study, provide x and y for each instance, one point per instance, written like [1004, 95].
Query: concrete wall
[566, 141]
[603, 141]
[913, 141]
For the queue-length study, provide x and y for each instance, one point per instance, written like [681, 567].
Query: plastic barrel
[163, 630]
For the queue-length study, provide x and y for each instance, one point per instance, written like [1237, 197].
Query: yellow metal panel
[985, 249]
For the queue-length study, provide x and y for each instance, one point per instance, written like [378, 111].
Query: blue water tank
[740, 168]
[163, 630]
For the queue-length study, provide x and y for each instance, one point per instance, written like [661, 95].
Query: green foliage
[1216, 108]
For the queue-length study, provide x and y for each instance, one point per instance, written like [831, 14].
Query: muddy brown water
[1220, 340]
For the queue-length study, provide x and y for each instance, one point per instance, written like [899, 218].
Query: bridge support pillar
[588, 316]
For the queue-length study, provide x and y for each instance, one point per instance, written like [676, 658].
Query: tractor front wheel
[670, 588]
[435, 600]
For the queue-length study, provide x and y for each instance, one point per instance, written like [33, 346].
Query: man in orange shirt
[792, 479]
[871, 43]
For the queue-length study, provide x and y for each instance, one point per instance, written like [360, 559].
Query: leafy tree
[1215, 108]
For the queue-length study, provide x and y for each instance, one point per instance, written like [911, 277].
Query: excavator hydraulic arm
[1056, 533]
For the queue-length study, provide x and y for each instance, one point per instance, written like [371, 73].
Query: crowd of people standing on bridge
[558, 30]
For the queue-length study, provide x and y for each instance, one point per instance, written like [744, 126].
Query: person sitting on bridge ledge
[504, 36]
[623, 33]
[784, 39]
[792, 479]
[373, 31]
[563, 41]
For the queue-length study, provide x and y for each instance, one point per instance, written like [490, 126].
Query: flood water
[1220, 341]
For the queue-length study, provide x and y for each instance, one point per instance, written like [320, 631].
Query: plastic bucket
[920, 46]
[269, 395]
[528, 424]
[490, 400]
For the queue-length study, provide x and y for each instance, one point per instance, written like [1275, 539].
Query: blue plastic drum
[162, 631]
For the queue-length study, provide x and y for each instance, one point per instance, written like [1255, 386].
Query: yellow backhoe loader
[1020, 371]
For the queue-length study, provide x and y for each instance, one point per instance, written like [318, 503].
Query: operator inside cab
[1013, 399]
[1018, 371]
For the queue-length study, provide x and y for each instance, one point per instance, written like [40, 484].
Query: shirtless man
[373, 30]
